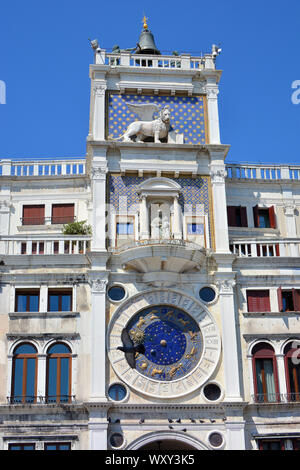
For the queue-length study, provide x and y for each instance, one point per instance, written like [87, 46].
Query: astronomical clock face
[172, 342]
[163, 343]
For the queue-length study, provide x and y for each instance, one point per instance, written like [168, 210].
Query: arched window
[292, 371]
[59, 362]
[265, 373]
[24, 374]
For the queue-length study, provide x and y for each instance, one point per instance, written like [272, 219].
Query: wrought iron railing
[31, 399]
[267, 398]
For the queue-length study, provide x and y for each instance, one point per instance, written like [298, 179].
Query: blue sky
[45, 57]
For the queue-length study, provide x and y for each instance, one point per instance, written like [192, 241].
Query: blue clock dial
[172, 341]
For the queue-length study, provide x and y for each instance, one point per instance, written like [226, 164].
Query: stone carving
[99, 173]
[99, 285]
[157, 128]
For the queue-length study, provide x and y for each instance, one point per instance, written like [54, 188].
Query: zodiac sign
[141, 322]
[174, 369]
[192, 353]
[153, 316]
[183, 322]
[156, 371]
[170, 314]
[192, 334]
[144, 365]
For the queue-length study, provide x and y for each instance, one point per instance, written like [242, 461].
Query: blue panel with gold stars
[172, 341]
[187, 114]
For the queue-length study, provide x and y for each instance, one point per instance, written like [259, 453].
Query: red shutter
[62, 213]
[33, 215]
[296, 299]
[272, 217]
[244, 217]
[256, 216]
[279, 296]
[258, 301]
[231, 216]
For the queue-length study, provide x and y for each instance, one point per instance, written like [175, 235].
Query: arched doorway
[165, 441]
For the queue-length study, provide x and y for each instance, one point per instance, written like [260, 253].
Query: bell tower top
[146, 44]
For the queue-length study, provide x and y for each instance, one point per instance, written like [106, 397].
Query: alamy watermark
[2, 92]
[296, 94]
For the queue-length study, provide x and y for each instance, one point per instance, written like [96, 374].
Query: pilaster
[98, 338]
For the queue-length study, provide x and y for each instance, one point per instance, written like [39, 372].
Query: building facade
[167, 317]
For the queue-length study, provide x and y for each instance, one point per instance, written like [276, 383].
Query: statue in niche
[147, 127]
[165, 228]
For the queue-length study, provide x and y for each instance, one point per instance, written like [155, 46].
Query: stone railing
[42, 167]
[44, 244]
[156, 242]
[255, 248]
[262, 172]
[183, 61]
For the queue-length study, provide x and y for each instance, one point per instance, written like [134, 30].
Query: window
[21, 447]
[33, 215]
[237, 216]
[265, 374]
[117, 392]
[62, 213]
[288, 300]
[195, 229]
[258, 301]
[24, 374]
[57, 446]
[124, 228]
[264, 218]
[27, 301]
[59, 301]
[269, 444]
[58, 387]
[292, 371]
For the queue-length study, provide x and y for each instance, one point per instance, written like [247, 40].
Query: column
[98, 127]
[291, 229]
[177, 228]
[236, 435]
[99, 203]
[218, 174]
[98, 429]
[98, 340]
[225, 284]
[144, 219]
[281, 376]
[212, 111]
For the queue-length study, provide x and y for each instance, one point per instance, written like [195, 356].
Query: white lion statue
[157, 128]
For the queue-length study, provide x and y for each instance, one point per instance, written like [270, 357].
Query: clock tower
[165, 364]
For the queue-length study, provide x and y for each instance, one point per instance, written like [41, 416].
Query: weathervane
[144, 21]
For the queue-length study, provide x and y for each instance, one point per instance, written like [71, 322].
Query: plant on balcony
[77, 228]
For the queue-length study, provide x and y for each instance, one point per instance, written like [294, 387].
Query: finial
[144, 20]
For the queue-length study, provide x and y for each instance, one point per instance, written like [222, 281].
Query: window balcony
[40, 400]
[272, 248]
[267, 398]
[44, 244]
